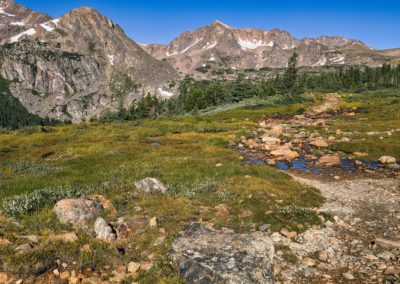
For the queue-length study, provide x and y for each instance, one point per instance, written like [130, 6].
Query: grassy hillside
[194, 155]
[194, 158]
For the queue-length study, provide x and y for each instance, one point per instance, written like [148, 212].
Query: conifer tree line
[194, 96]
[13, 114]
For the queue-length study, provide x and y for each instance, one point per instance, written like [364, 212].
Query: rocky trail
[360, 243]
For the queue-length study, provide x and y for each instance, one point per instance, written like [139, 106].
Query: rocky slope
[220, 45]
[15, 18]
[79, 65]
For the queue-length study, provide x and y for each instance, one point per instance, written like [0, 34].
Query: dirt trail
[365, 205]
[365, 210]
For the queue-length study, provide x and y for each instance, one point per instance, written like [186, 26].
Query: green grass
[376, 111]
[109, 158]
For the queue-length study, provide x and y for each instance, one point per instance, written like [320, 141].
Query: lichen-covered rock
[77, 212]
[104, 231]
[151, 186]
[205, 256]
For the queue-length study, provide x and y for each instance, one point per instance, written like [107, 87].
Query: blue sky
[377, 23]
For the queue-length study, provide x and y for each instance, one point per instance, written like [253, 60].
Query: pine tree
[289, 78]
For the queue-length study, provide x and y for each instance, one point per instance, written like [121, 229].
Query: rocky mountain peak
[15, 19]
[221, 46]
[6, 3]
[217, 23]
[79, 65]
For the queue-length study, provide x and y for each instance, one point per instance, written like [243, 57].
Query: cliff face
[220, 45]
[79, 65]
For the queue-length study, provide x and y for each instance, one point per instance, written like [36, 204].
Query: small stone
[153, 223]
[219, 165]
[348, 276]
[103, 230]
[246, 214]
[223, 210]
[277, 270]
[265, 227]
[4, 277]
[387, 243]
[387, 160]
[285, 232]
[121, 269]
[133, 267]
[323, 255]
[308, 261]
[159, 241]
[151, 186]
[385, 255]
[64, 275]
[66, 237]
[4, 241]
[360, 154]
[319, 143]
[276, 237]
[23, 248]
[74, 280]
[85, 248]
[107, 204]
[333, 160]
[371, 257]
[146, 265]
[56, 272]
[19, 281]
[392, 271]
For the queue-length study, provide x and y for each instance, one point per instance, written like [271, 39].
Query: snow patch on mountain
[339, 59]
[5, 13]
[209, 45]
[16, 38]
[254, 44]
[164, 93]
[50, 25]
[192, 45]
[321, 62]
[111, 59]
[171, 54]
[19, 23]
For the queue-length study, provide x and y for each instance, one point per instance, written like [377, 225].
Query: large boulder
[387, 160]
[104, 231]
[77, 212]
[151, 186]
[206, 256]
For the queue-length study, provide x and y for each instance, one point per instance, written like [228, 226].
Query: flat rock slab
[207, 256]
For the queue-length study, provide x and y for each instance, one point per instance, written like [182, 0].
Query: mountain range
[81, 64]
[223, 46]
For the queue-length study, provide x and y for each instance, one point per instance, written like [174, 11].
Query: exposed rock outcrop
[206, 256]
